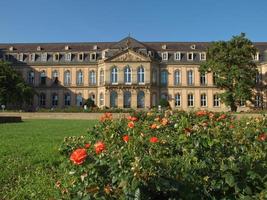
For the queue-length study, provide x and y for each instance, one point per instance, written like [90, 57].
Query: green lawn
[29, 156]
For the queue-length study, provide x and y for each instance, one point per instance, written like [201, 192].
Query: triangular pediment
[130, 43]
[128, 56]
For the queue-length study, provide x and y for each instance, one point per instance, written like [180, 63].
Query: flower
[87, 145]
[201, 113]
[231, 126]
[262, 137]
[153, 126]
[164, 121]
[131, 118]
[223, 116]
[131, 124]
[78, 156]
[154, 140]
[99, 147]
[125, 138]
[106, 116]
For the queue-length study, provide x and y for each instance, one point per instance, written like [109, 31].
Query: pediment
[128, 56]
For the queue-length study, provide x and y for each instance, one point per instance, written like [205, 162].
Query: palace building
[125, 74]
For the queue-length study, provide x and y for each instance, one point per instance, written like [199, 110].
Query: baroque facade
[125, 74]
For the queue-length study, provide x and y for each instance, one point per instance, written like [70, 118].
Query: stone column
[107, 98]
[120, 98]
[133, 99]
[147, 99]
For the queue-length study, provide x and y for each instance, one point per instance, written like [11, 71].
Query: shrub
[200, 155]
[164, 103]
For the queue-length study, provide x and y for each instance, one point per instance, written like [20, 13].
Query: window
[42, 99]
[68, 57]
[190, 56]
[177, 77]
[164, 55]
[214, 77]
[127, 99]
[242, 103]
[44, 57]
[141, 75]
[67, 99]
[258, 78]
[154, 76]
[55, 77]
[190, 77]
[93, 56]
[92, 79]
[67, 79]
[154, 99]
[127, 75]
[203, 100]
[164, 96]
[202, 56]
[101, 78]
[203, 79]
[140, 99]
[54, 99]
[20, 57]
[80, 57]
[56, 57]
[43, 78]
[258, 101]
[31, 77]
[92, 97]
[101, 99]
[113, 99]
[177, 56]
[216, 100]
[164, 77]
[190, 100]
[256, 57]
[79, 100]
[177, 102]
[32, 57]
[79, 77]
[114, 75]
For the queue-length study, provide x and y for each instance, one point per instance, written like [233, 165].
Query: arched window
[92, 79]
[43, 77]
[92, 97]
[79, 100]
[54, 99]
[164, 77]
[177, 77]
[101, 99]
[154, 76]
[127, 75]
[55, 76]
[67, 99]
[113, 99]
[216, 100]
[127, 99]
[154, 99]
[79, 77]
[203, 100]
[190, 79]
[141, 75]
[101, 78]
[190, 100]
[177, 100]
[42, 99]
[31, 77]
[140, 99]
[203, 80]
[164, 96]
[67, 77]
[114, 75]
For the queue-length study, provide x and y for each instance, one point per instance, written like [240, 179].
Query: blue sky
[145, 20]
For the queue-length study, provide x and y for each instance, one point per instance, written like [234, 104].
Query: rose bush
[200, 155]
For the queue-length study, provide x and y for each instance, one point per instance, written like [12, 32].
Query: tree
[13, 89]
[234, 69]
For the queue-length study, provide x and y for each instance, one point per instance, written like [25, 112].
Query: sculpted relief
[129, 57]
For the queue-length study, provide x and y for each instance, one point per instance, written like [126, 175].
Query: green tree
[234, 69]
[13, 89]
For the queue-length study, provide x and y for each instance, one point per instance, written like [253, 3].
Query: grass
[29, 156]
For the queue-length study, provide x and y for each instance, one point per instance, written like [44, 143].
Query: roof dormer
[164, 46]
[67, 48]
[193, 46]
[39, 48]
[11, 48]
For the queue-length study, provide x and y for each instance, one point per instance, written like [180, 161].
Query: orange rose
[78, 156]
[154, 140]
[99, 147]
[153, 126]
[201, 113]
[125, 138]
[164, 121]
[87, 145]
[131, 124]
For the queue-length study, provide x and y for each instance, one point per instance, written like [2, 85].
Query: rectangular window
[164, 56]
[203, 100]
[258, 78]
[20, 57]
[177, 100]
[80, 56]
[203, 79]
[256, 57]
[56, 57]
[177, 56]
[190, 56]
[93, 56]
[190, 77]
[258, 101]
[190, 100]
[203, 56]
[44, 57]
[216, 100]
[32, 57]
[68, 57]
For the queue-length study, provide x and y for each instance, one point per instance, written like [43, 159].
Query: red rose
[154, 140]
[99, 147]
[231, 126]
[131, 124]
[134, 119]
[87, 145]
[262, 137]
[125, 138]
[201, 113]
[78, 156]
